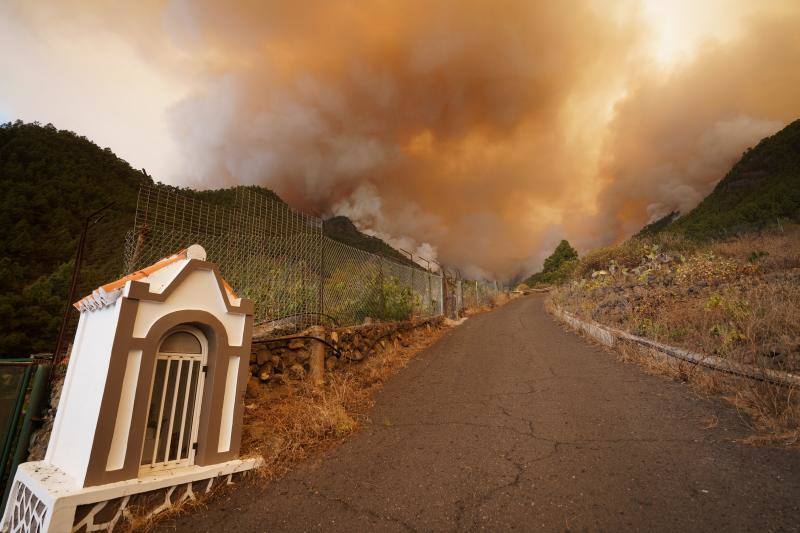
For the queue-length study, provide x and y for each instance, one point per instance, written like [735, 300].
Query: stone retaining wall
[276, 361]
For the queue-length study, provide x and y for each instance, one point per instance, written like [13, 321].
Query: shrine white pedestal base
[44, 498]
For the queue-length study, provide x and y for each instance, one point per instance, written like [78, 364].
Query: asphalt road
[510, 422]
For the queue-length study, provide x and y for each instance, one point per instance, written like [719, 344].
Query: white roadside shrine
[152, 401]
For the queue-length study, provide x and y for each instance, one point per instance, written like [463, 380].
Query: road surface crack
[348, 506]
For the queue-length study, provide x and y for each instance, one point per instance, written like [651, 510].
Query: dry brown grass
[738, 299]
[143, 524]
[471, 311]
[773, 411]
[501, 298]
[705, 382]
[773, 250]
[496, 300]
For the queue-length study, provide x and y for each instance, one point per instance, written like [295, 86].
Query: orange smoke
[673, 137]
[483, 132]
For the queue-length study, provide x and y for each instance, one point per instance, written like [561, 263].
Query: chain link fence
[279, 258]
[477, 293]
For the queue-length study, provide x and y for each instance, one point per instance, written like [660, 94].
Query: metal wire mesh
[477, 293]
[279, 258]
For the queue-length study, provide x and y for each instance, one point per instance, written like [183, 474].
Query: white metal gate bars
[175, 397]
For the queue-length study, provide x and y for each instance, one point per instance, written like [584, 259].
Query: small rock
[297, 371]
[262, 356]
[277, 379]
[265, 372]
[252, 386]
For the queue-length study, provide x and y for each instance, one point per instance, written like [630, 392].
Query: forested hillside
[342, 229]
[760, 191]
[763, 187]
[51, 180]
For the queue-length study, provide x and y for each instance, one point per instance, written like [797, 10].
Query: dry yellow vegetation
[737, 298]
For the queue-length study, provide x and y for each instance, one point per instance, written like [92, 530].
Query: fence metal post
[73, 285]
[22, 389]
[321, 290]
[412, 284]
[38, 395]
[442, 279]
[443, 290]
[382, 294]
[316, 362]
[430, 290]
[459, 294]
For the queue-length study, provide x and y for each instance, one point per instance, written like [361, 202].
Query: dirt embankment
[737, 299]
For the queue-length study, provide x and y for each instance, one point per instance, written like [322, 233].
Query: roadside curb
[609, 337]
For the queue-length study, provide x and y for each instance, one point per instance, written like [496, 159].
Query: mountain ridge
[51, 180]
[759, 190]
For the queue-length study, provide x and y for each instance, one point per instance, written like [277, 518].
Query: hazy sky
[478, 132]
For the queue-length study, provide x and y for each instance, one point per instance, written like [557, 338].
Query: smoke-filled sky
[479, 133]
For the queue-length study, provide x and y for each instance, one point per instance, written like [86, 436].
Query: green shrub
[558, 267]
[398, 300]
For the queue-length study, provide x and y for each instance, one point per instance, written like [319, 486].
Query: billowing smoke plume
[673, 137]
[437, 126]
[483, 132]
